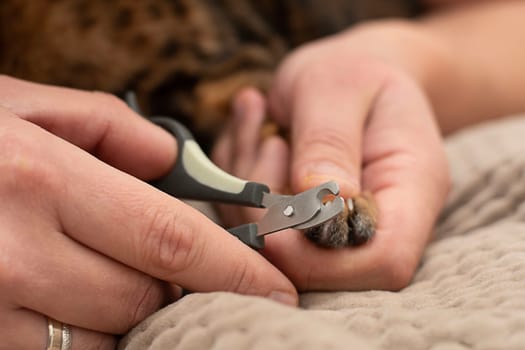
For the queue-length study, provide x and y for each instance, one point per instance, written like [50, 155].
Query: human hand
[83, 242]
[359, 119]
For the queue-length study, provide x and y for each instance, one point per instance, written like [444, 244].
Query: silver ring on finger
[59, 335]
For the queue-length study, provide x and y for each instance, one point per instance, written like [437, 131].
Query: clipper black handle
[194, 176]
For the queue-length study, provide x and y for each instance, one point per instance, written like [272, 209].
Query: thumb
[326, 115]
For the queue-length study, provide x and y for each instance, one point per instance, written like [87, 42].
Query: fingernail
[283, 298]
[321, 172]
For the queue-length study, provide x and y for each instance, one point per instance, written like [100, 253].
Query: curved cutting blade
[328, 211]
[303, 210]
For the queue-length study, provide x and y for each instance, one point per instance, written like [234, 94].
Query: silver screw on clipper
[288, 211]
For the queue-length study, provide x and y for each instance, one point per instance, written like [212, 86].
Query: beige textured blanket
[469, 292]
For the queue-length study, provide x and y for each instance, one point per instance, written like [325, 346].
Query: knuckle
[169, 244]
[397, 268]
[329, 137]
[142, 301]
[329, 71]
[328, 141]
[14, 276]
[108, 100]
[21, 164]
[109, 104]
[315, 74]
[243, 279]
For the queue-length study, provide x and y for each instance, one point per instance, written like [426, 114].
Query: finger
[97, 122]
[238, 146]
[327, 109]
[270, 168]
[76, 284]
[163, 237]
[223, 148]
[223, 156]
[140, 226]
[272, 164]
[253, 158]
[249, 116]
[409, 185]
[26, 330]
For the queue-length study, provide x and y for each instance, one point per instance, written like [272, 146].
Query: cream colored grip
[199, 167]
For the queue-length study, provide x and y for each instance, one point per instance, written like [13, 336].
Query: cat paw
[355, 225]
